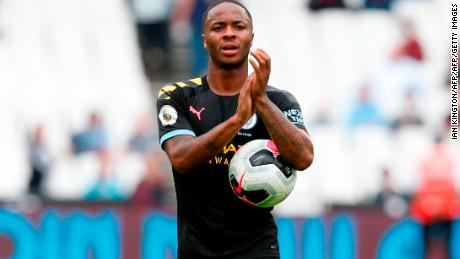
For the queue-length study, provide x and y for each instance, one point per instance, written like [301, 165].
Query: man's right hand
[187, 153]
[246, 107]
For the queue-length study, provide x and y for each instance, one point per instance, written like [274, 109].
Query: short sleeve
[172, 119]
[289, 106]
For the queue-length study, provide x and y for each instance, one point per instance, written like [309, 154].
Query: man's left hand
[262, 69]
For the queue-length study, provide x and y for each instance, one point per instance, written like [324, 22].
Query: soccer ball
[258, 175]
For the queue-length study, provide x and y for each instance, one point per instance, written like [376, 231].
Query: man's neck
[226, 82]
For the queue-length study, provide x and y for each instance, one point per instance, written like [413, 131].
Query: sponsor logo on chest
[248, 126]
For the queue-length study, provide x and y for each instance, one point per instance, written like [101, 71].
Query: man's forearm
[293, 144]
[187, 153]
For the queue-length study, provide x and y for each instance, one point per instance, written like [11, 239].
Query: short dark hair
[218, 2]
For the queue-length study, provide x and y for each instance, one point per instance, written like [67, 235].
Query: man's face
[228, 35]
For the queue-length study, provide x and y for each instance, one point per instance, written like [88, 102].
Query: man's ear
[205, 45]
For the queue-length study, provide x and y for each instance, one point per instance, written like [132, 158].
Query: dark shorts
[263, 249]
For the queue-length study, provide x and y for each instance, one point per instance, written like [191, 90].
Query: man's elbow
[305, 161]
[181, 165]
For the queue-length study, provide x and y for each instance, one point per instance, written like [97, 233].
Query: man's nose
[229, 32]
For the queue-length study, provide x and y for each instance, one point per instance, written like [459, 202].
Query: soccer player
[203, 121]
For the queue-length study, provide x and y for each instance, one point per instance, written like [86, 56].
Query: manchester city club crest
[250, 123]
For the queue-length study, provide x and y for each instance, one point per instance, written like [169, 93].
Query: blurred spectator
[436, 204]
[387, 191]
[322, 116]
[144, 138]
[93, 138]
[317, 5]
[40, 160]
[393, 203]
[106, 187]
[187, 15]
[365, 111]
[154, 187]
[378, 4]
[409, 114]
[410, 47]
[152, 23]
[402, 73]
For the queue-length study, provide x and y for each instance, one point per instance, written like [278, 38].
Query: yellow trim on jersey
[197, 81]
[181, 84]
[172, 88]
[166, 89]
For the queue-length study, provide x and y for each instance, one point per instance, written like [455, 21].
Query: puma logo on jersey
[197, 113]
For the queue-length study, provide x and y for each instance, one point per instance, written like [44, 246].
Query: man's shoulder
[271, 88]
[274, 92]
[180, 86]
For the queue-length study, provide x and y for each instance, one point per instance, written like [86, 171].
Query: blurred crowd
[169, 36]
[134, 171]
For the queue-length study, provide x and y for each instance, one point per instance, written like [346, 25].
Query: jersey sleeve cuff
[175, 133]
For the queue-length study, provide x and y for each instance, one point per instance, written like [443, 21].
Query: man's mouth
[229, 49]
